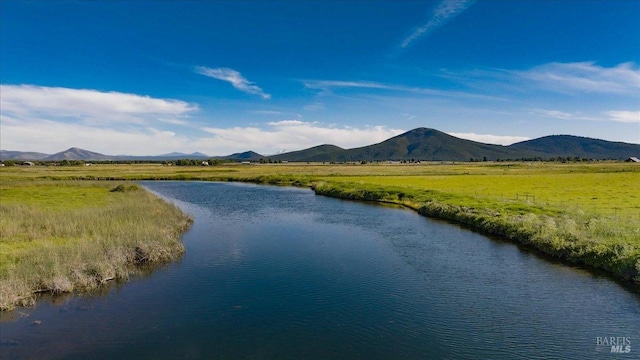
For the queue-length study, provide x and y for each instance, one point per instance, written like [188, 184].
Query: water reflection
[280, 273]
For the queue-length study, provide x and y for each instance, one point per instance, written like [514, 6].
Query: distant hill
[430, 144]
[81, 154]
[181, 155]
[569, 145]
[417, 144]
[21, 155]
[77, 154]
[169, 156]
[316, 153]
[244, 156]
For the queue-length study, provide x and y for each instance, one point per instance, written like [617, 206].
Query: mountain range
[417, 144]
[431, 144]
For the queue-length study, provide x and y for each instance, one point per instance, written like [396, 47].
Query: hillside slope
[576, 146]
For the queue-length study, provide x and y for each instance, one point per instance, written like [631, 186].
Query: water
[279, 273]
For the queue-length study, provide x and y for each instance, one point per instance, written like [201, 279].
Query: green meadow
[63, 236]
[580, 213]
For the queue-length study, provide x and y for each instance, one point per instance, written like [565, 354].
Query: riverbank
[583, 213]
[64, 236]
[598, 242]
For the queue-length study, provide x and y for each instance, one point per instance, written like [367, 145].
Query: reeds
[599, 241]
[84, 246]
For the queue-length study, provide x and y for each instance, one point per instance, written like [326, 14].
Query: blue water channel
[280, 273]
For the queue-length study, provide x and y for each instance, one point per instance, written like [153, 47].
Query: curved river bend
[279, 273]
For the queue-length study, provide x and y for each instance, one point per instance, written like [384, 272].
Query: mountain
[173, 155]
[245, 156]
[77, 154]
[417, 144]
[316, 153]
[569, 145]
[21, 155]
[431, 144]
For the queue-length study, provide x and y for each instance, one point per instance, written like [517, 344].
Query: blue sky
[152, 77]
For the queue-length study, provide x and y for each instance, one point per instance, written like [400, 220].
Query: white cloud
[52, 136]
[266, 112]
[328, 84]
[288, 123]
[51, 119]
[291, 135]
[624, 116]
[234, 77]
[444, 11]
[563, 115]
[326, 87]
[90, 106]
[585, 77]
[490, 139]
[576, 78]
[39, 132]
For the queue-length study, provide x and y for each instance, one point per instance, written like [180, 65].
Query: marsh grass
[51, 242]
[602, 241]
[584, 213]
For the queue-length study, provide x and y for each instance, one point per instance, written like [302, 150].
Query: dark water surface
[279, 273]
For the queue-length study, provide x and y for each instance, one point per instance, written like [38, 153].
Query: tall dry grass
[82, 247]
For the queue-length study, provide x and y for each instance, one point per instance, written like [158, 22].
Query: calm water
[279, 273]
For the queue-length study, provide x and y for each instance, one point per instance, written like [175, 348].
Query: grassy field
[583, 213]
[61, 236]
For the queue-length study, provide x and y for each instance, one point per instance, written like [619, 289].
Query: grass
[606, 193]
[77, 235]
[582, 213]
[598, 240]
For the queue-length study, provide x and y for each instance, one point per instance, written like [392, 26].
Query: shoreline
[569, 247]
[529, 230]
[625, 269]
[86, 246]
[569, 237]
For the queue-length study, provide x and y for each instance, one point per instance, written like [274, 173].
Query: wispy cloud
[565, 115]
[327, 87]
[328, 84]
[234, 78]
[624, 116]
[266, 112]
[443, 12]
[585, 77]
[27, 102]
[490, 139]
[575, 78]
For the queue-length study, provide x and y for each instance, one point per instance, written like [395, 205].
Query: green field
[61, 236]
[582, 213]
[593, 192]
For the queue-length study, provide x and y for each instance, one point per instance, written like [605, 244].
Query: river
[279, 273]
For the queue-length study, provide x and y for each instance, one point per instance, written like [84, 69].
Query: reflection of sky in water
[274, 272]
